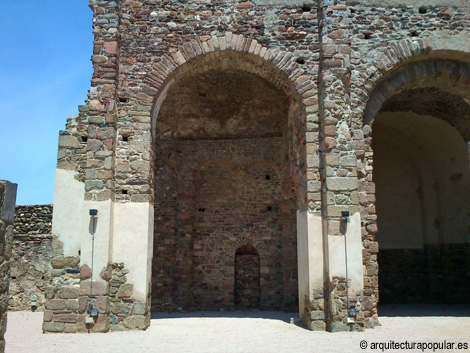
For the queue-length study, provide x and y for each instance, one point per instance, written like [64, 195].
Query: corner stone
[135, 322]
[53, 327]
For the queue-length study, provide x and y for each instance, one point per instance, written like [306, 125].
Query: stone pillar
[91, 174]
[7, 218]
[339, 172]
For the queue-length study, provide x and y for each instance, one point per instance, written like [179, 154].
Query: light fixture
[92, 312]
[351, 312]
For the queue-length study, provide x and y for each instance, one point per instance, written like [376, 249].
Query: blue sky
[45, 73]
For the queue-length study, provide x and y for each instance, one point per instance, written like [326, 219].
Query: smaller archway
[247, 278]
[419, 131]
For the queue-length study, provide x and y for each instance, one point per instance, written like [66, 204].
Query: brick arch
[247, 248]
[450, 76]
[257, 56]
[259, 245]
[272, 165]
[231, 51]
[440, 45]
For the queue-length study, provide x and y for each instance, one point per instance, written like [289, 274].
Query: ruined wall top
[405, 3]
[381, 3]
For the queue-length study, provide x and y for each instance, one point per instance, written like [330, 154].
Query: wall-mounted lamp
[93, 215]
[352, 312]
[92, 312]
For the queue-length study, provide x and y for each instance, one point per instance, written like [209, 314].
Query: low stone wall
[30, 270]
[7, 211]
[31, 256]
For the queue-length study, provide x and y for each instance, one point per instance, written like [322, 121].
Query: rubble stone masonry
[31, 257]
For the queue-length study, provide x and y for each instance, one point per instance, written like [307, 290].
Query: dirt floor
[251, 332]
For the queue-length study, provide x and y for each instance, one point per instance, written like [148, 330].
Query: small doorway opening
[247, 278]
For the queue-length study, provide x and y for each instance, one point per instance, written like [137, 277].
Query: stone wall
[206, 208]
[7, 212]
[33, 220]
[31, 254]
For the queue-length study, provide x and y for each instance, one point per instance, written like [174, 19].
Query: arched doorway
[247, 278]
[229, 135]
[422, 179]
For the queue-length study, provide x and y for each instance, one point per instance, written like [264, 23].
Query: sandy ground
[251, 332]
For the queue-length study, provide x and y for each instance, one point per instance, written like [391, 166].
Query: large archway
[422, 183]
[225, 168]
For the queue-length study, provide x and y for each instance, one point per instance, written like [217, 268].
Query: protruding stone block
[48, 315]
[134, 322]
[53, 327]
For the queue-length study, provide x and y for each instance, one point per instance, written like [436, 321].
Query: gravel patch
[234, 332]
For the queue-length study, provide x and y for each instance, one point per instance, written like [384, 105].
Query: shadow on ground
[385, 310]
[423, 310]
[256, 314]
